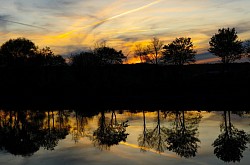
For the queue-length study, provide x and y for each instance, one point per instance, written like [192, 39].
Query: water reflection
[182, 138]
[153, 138]
[110, 132]
[24, 132]
[143, 139]
[231, 143]
[81, 121]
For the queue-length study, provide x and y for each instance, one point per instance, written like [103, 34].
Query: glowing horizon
[69, 26]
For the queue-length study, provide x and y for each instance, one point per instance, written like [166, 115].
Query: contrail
[135, 31]
[133, 10]
[24, 24]
[96, 24]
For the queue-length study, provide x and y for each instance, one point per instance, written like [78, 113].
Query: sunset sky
[71, 25]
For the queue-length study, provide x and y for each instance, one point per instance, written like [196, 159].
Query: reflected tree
[23, 132]
[109, 133]
[20, 132]
[155, 138]
[183, 137]
[82, 119]
[143, 139]
[54, 132]
[231, 143]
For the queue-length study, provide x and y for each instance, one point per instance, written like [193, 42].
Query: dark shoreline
[125, 103]
[202, 87]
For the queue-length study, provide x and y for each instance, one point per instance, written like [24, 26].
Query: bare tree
[141, 52]
[154, 50]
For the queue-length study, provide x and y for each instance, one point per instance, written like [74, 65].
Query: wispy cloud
[99, 23]
[80, 23]
[24, 24]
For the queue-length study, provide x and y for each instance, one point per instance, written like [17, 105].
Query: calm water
[124, 137]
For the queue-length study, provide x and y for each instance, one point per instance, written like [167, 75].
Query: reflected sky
[81, 150]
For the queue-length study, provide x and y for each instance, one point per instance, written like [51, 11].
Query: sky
[69, 26]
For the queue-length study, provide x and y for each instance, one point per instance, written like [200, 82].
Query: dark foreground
[208, 86]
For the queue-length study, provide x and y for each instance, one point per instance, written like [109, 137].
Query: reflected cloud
[149, 149]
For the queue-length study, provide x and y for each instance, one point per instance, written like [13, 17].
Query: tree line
[224, 44]
[21, 51]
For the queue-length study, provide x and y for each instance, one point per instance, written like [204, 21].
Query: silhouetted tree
[231, 143]
[22, 51]
[182, 138]
[225, 44]
[46, 57]
[84, 59]
[108, 55]
[179, 52]
[246, 47]
[153, 51]
[141, 52]
[17, 51]
[50, 59]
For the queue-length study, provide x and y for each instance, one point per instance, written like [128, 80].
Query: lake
[124, 137]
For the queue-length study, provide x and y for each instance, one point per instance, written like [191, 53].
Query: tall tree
[179, 52]
[154, 49]
[225, 44]
[17, 51]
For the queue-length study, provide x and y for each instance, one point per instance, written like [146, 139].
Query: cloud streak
[24, 24]
[122, 23]
[99, 23]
